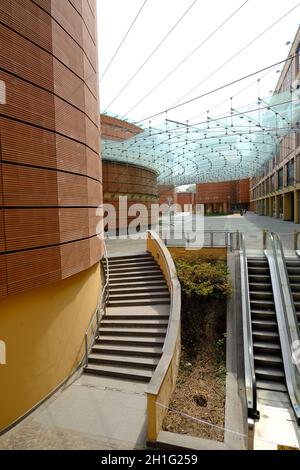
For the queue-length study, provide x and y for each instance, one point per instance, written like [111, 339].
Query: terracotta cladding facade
[224, 195]
[137, 183]
[167, 194]
[50, 172]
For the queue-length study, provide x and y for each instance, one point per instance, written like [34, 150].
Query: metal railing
[286, 316]
[101, 308]
[211, 239]
[250, 379]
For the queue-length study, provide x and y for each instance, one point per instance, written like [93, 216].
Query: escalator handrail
[292, 374]
[250, 379]
[294, 332]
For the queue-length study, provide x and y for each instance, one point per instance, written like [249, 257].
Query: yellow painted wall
[44, 334]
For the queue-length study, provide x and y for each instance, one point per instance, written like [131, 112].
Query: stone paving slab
[90, 413]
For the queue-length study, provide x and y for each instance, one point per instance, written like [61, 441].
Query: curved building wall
[50, 187]
[137, 183]
[49, 144]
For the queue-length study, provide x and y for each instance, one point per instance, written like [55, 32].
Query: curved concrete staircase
[132, 332]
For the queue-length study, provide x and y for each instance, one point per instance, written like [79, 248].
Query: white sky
[156, 19]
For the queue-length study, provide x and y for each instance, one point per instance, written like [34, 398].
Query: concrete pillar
[287, 215]
[270, 207]
[296, 206]
[277, 207]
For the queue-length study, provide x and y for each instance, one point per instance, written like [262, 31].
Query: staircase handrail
[101, 307]
[250, 379]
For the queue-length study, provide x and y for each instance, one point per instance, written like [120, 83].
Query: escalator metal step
[271, 385]
[265, 360]
[269, 373]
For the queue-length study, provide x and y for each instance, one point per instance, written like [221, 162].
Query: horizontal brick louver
[49, 129]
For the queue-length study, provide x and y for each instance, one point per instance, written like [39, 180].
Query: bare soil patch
[200, 393]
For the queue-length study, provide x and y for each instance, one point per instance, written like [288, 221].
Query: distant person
[241, 212]
[245, 211]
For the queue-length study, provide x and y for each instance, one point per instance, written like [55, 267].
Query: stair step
[126, 303]
[132, 256]
[135, 272]
[137, 277]
[136, 316]
[142, 284]
[142, 259]
[139, 290]
[142, 375]
[134, 331]
[124, 361]
[127, 350]
[138, 296]
[131, 340]
[157, 323]
[134, 267]
[267, 359]
[270, 385]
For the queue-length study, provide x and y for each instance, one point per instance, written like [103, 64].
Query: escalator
[268, 364]
[270, 289]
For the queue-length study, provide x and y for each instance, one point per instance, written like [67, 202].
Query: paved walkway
[94, 413]
[251, 225]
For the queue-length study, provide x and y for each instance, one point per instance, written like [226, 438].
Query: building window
[280, 178]
[272, 183]
[290, 173]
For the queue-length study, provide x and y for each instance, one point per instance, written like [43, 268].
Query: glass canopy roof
[226, 147]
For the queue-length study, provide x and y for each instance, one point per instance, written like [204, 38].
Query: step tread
[129, 349]
[150, 361]
[135, 330]
[139, 284]
[141, 302]
[131, 323]
[132, 255]
[133, 339]
[139, 289]
[125, 371]
[138, 295]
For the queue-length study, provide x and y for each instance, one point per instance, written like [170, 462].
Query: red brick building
[223, 197]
